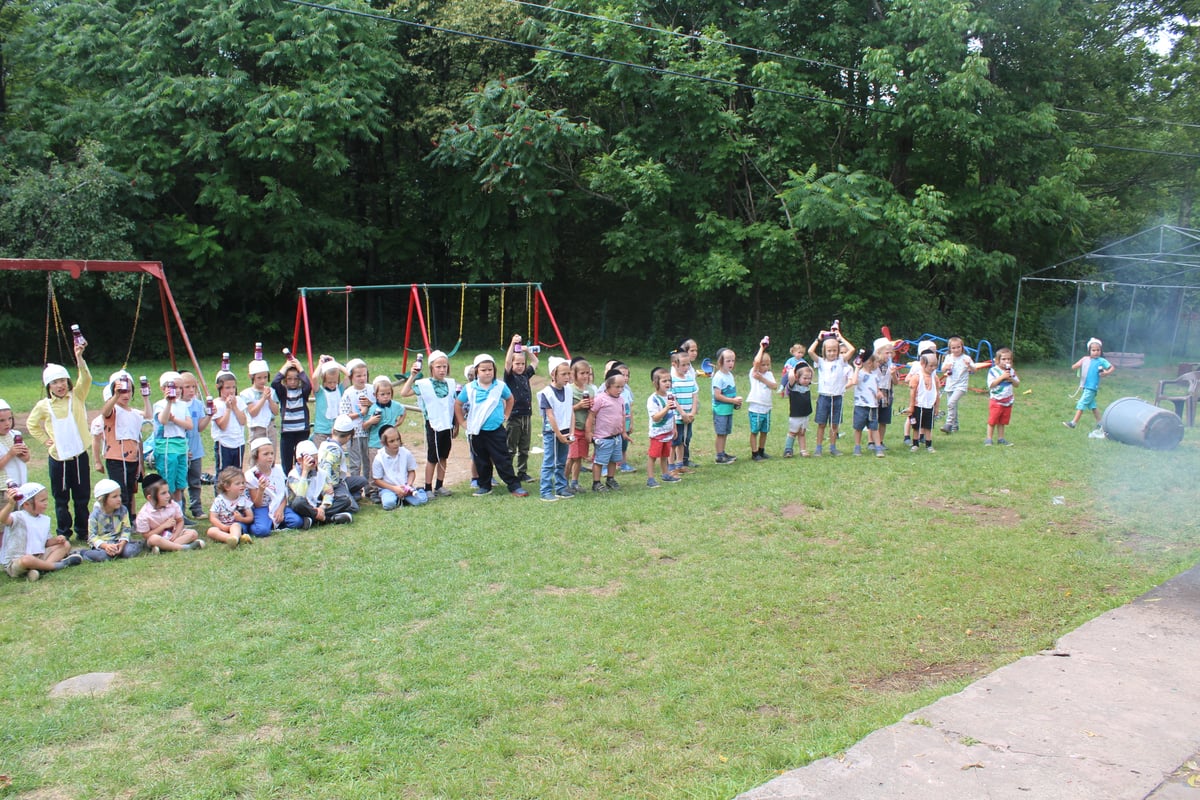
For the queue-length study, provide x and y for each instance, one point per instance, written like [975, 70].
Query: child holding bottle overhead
[122, 434]
[834, 370]
[59, 421]
[758, 401]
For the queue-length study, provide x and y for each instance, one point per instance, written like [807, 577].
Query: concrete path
[1112, 713]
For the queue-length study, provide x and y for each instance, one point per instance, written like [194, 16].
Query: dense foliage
[697, 165]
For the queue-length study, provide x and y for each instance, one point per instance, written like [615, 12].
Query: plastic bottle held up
[766, 342]
[287, 352]
[13, 484]
[224, 362]
[836, 327]
[858, 359]
[172, 393]
[517, 346]
[18, 439]
[145, 384]
[535, 349]
[77, 335]
[258, 351]
[420, 362]
[208, 405]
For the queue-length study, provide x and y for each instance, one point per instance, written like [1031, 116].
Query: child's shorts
[866, 418]
[797, 424]
[437, 444]
[15, 570]
[683, 432]
[885, 414]
[1087, 400]
[722, 424]
[659, 448]
[608, 451]
[999, 414]
[760, 423]
[922, 418]
[579, 447]
[829, 410]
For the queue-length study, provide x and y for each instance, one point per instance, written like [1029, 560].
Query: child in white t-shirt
[27, 549]
[394, 472]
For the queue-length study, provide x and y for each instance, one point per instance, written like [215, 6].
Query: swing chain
[137, 313]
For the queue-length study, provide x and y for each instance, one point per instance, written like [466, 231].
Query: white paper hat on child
[54, 372]
[382, 380]
[1093, 341]
[927, 346]
[4, 406]
[257, 443]
[436, 354]
[881, 343]
[354, 364]
[28, 491]
[554, 362]
[482, 358]
[105, 487]
[258, 366]
[343, 424]
[305, 448]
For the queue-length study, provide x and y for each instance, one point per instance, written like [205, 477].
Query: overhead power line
[601, 59]
[1128, 119]
[681, 34]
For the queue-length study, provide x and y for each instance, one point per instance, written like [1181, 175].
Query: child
[686, 391]
[661, 409]
[26, 548]
[357, 398]
[885, 373]
[160, 520]
[121, 435]
[230, 515]
[582, 393]
[59, 421]
[555, 404]
[490, 403]
[198, 411]
[606, 430]
[922, 402]
[724, 400]
[627, 402]
[833, 375]
[435, 396]
[266, 486]
[343, 488]
[292, 389]
[923, 347]
[957, 367]
[520, 363]
[328, 398]
[170, 439]
[229, 423]
[108, 525]
[758, 401]
[1092, 368]
[1002, 383]
[394, 472]
[800, 408]
[382, 412]
[867, 398]
[310, 497]
[14, 453]
[796, 355]
[261, 403]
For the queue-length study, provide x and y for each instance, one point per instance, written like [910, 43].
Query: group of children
[351, 443]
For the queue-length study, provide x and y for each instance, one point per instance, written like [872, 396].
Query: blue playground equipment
[976, 352]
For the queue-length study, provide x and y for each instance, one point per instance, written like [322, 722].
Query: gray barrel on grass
[1131, 420]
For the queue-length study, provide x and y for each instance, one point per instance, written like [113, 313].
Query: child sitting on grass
[108, 525]
[27, 549]
[231, 514]
[266, 486]
[394, 472]
[160, 520]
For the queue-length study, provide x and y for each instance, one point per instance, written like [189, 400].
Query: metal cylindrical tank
[1131, 420]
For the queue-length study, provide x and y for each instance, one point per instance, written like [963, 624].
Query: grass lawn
[691, 641]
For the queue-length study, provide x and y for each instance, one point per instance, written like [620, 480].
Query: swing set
[153, 269]
[420, 307]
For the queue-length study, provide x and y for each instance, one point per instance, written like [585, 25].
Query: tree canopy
[697, 166]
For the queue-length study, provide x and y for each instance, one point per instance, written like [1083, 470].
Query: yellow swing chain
[529, 314]
[502, 316]
[462, 307]
[137, 314]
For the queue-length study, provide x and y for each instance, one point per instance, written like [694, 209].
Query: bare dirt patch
[920, 676]
[1002, 516]
[795, 511]
[610, 589]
